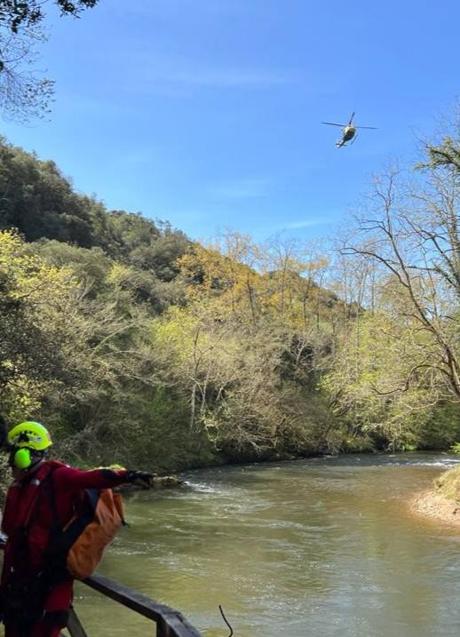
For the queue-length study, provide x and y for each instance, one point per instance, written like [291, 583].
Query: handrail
[170, 622]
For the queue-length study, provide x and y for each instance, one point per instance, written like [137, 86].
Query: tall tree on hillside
[247, 347]
[411, 232]
[36, 199]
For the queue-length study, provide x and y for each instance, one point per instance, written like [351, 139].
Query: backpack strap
[63, 536]
[56, 570]
[40, 480]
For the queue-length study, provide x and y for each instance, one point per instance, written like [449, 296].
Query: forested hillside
[135, 344]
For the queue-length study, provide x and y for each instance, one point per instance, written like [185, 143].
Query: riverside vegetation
[131, 341]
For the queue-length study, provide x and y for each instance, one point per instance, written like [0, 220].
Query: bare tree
[413, 234]
[24, 92]
[17, 16]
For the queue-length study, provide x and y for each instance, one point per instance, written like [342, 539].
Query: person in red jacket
[35, 596]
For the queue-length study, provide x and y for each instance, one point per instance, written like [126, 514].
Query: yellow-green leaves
[27, 276]
[33, 303]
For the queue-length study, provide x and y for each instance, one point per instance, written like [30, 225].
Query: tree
[21, 15]
[416, 239]
[400, 354]
[31, 346]
[446, 154]
[370, 385]
[37, 200]
[75, 347]
[231, 377]
[245, 349]
[23, 92]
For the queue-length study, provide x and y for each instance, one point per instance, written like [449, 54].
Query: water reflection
[323, 546]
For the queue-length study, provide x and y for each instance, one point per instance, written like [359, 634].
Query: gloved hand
[140, 478]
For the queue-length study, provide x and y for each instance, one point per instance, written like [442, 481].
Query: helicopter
[348, 131]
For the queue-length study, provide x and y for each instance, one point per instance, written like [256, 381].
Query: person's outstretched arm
[72, 479]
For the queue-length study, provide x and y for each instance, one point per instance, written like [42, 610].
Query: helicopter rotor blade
[368, 127]
[334, 124]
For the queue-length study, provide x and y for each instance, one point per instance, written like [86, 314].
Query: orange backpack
[91, 530]
[80, 544]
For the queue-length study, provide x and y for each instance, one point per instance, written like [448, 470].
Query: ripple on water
[202, 487]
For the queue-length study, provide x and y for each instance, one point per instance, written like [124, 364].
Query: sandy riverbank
[436, 507]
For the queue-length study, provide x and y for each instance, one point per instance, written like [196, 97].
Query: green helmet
[31, 435]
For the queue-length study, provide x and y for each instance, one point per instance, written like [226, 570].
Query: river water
[320, 547]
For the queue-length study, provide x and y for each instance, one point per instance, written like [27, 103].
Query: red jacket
[29, 504]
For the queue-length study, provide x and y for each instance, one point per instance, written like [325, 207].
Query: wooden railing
[169, 622]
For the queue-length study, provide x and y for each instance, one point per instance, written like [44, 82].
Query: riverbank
[442, 502]
[434, 506]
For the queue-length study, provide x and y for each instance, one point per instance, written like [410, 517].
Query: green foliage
[395, 373]
[148, 429]
[134, 345]
[444, 155]
[159, 430]
[76, 305]
[90, 267]
[71, 356]
[249, 386]
[31, 349]
[39, 202]
[441, 428]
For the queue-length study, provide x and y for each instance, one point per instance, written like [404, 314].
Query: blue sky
[207, 113]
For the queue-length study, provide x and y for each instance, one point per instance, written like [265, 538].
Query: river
[319, 547]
